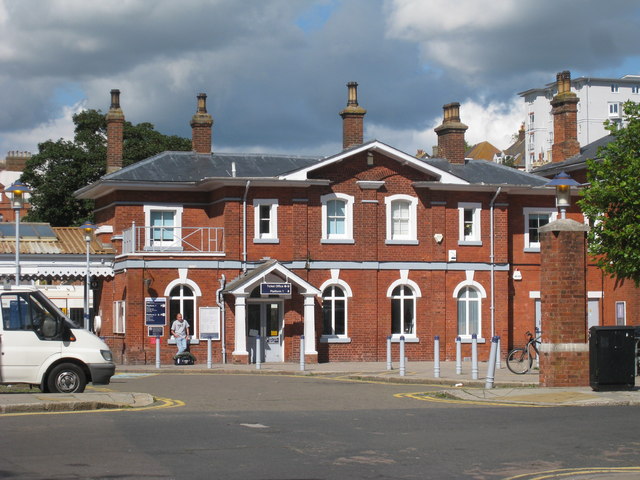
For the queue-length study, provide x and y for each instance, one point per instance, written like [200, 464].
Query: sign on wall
[209, 323]
[155, 311]
[275, 289]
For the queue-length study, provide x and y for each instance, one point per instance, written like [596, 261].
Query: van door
[29, 338]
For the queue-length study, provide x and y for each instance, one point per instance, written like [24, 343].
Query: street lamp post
[563, 183]
[17, 191]
[88, 229]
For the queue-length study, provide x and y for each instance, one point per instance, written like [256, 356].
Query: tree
[611, 202]
[62, 167]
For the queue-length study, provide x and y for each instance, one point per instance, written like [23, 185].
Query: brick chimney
[352, 119]
[201, 124]
[521, 133]
[564, 108]
[115, 133]
[451, 135]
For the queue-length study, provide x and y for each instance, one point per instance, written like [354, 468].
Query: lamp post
[17, 191]
[563, 183]
[88, 229]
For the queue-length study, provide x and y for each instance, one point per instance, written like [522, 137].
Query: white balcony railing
[175, 240]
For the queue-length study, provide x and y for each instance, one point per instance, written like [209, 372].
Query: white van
[40, 346]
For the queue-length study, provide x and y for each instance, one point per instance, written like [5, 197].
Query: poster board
[209, 323]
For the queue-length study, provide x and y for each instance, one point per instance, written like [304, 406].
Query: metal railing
[174, 240]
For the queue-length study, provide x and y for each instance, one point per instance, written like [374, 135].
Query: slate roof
[481, 172]
[577, 162]
[172, 166]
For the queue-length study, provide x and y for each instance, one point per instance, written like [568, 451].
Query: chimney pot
[352, 118]
[201, 124]
[451, 134]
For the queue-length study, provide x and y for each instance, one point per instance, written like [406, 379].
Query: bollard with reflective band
[491, 368]
[157, 352]
[498, 362]
[402, 359]
[209, 362]
[458, 356]
[302, 353]
[258, 352]
[474, 356]
[389, 366]
[436, 356]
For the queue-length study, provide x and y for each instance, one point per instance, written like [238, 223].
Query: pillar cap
[564, 225]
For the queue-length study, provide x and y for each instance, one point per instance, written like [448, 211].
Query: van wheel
[66, 378]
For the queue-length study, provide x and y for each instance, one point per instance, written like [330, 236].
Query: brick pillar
[451, 135]
[565, 120]
[352, 119]
[115, 133]
[564, 353]
[201, 124]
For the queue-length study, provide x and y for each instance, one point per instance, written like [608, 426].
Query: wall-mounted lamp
[517, 274]
[563, 183]
[438, 237]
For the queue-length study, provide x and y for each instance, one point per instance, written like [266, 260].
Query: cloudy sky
[275, 71]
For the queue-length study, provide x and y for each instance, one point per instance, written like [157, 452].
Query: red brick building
[346, 250]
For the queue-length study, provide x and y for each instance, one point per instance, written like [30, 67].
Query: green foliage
[612, 199]
[62, 167]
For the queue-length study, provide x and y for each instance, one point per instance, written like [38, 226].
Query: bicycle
[520, 360]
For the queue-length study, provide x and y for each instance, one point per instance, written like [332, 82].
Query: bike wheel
[519, 361]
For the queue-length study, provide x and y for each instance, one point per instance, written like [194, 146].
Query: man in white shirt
[180, 330]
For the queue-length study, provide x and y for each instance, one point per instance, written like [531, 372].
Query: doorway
[265, 319]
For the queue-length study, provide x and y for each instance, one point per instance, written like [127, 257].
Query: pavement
[506, 387]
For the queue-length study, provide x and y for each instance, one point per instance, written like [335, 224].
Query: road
[285, 427]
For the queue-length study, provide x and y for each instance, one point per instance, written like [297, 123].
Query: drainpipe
[244, 227]
[220, 303]
[493, 264]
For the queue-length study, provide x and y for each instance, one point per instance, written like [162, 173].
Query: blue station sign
[275, 289]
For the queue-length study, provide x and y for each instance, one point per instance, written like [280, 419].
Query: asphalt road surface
[280, 427]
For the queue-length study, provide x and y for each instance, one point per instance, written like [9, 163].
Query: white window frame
[347, 236]
[614, 109]
[343, 337]
[475, 238]
[527, 211]
[482, 294]
[272, 235]
[414, 298]
[119, 316]
[615, 88]
[177, 227]
[411, 238]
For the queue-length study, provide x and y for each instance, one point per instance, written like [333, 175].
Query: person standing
[180, 331]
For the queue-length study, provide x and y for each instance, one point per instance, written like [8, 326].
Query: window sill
[531, 249]
[161, 248]
[338, 240]
[193, 341]
[334, 339]
[469, 340]
[266, 240]
[470, 243]
[402, 242]
[396, 339]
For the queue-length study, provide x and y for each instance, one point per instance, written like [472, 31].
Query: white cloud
[28, 139]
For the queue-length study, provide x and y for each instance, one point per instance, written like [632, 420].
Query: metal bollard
[258, 353]
[458, 356]
[498, 361]
[209, 362]
[436, 357]
[402, 359]
[474, 356]
[389, 366]
[157, 352]
[491, 368]
[302, 353]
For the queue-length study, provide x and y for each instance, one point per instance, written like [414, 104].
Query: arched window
[469, 303]
[334, 311]
[183, 300]
[403, 308]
